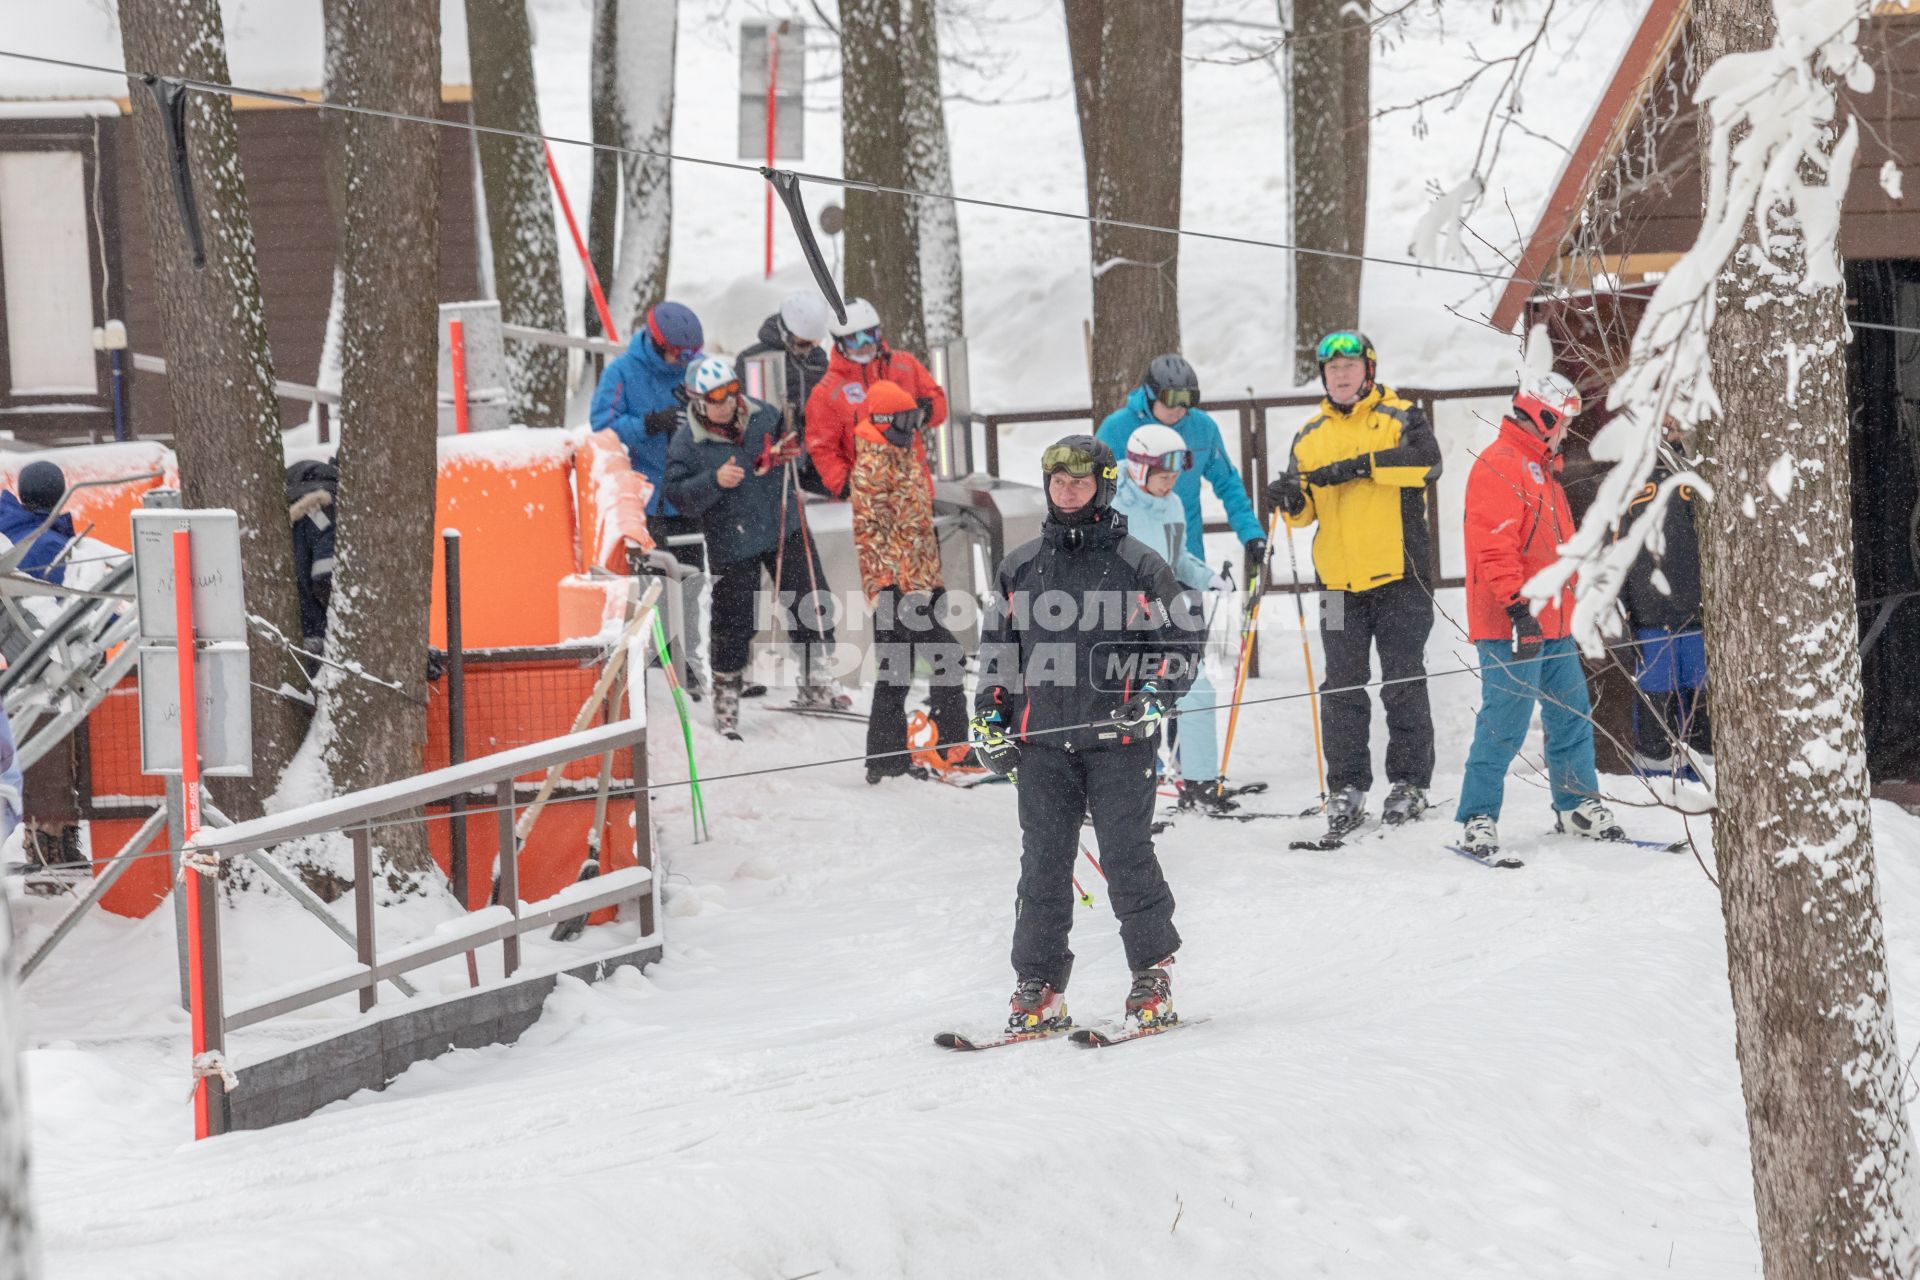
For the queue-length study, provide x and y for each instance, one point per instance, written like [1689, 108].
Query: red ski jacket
[1517, 517]
[834, 407]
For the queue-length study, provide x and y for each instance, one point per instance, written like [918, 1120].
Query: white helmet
[1547, 402]
[858, 336]
[807, 317]
[1154, 447]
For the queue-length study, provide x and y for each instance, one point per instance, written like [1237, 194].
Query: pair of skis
[1506, 862]
[1099, 1037]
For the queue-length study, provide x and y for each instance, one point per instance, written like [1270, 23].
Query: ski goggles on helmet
[1342, 343]
[1172, 460]
[1075, 460]
[860, 340]
[722, 393]
[1177, 397]
[670, 352]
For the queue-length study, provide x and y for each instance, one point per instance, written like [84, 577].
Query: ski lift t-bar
[787, 186]
[170, 96]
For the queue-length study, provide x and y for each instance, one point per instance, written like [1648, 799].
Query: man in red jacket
[861, 357]
[1517, 517]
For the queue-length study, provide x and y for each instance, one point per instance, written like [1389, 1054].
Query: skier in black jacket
[1670, 655]
[1090, 640]
[798, 331]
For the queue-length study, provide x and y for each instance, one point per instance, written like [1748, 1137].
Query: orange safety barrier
[612, 498]
[511, 495]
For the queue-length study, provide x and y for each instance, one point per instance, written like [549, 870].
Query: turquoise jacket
[1210, 460]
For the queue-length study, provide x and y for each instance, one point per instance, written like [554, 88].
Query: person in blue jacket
[1170, 396]
[1156, 458]
[640, 398]
[41, 486]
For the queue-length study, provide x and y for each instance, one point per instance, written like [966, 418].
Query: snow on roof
[271, 44]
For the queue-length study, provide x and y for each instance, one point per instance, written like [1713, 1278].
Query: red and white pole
[773, 81]
[457, 353]
[580, 247]
[190, 814]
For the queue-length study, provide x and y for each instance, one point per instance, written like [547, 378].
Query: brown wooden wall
[293, 228]
[1665, 217]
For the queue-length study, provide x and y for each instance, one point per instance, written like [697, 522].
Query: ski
[1111, 1034]
[968, 1044]
[968, 782]
[1664, 846]
[1332, 839]
[573, 926]
[823, 713]
[1492, 859]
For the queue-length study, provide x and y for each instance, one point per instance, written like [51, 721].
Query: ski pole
[1256, 593]
[1086, 899]
[1306, 656]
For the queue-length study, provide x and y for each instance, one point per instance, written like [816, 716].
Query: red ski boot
[1150, 1003]
[1037, 1007]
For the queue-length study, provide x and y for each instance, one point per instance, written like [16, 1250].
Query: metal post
[990, 428]
[773, 78]
[203, 904]
[642, 812]
[363, 940]
[509, 873]
[457, 354]
[456, 722]
[321, 420]
[117, 367]
[182, 926]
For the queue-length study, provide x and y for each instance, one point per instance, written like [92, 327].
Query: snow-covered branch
[1771, 114]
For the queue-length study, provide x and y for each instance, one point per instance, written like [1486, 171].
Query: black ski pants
[1057, 789]
[1396, 619]
[906, 630]
[736, 589]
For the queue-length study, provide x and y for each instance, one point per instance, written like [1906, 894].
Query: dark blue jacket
[16, 522]
[633, 386]
[1210, 460]
[744, 521]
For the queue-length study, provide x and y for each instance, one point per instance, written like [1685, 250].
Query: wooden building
[75, 254]
[1628, 204]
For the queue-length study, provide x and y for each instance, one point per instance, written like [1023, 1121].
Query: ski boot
[1037, 1007]
[1405, 803]
[1481, 837]
[1346, 810]
[726, 702]
[876, 775]
[1150, 1002]
[1590, 819]
[819, 691]
[1206, 797]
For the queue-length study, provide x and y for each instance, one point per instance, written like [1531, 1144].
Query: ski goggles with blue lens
[1076, 460]
[1342, 343]
[1178, 397]
[861, 340]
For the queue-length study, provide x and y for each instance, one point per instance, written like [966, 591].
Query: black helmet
[1171, 372]
[1080, 455]
[42, 485]
[1346, 342]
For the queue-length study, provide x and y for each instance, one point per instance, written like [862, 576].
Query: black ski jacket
[1678, 608]
[803, 374]
[1083, 616]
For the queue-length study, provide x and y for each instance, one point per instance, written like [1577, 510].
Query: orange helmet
[893, 409]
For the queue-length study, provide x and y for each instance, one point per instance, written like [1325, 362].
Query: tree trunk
[603, 211]
[1330, 50]
[386, 54]
[1127, 82]
[19, 1247]
[1819, 1063]
[526, 257]
[219, 370]
[645, 32]
[882, 230]
[930, 168]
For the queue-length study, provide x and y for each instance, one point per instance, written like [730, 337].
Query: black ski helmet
[41, 486]
[1346, 342]
[1080, 455]
[1171, 370]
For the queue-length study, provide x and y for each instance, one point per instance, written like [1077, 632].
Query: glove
[1142, 713]
[998, 753]
[1220, 582]
[1286, 494]
[1257, 551]
[1341, 472]
[926, 408]
[663, 422]
[788, 449]
[1527, 636]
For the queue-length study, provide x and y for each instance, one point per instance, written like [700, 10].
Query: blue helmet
[675, 331]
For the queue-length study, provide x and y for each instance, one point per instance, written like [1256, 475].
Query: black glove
[926, 408]
[1527, 636]
[663, 422]
[1257, 551]
[1286, 493]
[1142, 713]
[997, 752]
[1341, 472]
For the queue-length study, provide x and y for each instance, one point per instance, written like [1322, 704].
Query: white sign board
[222, 676]
[219, 606]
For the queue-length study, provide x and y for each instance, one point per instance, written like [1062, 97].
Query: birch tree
[645, 32]
[1329, 50]
[219, 370]
[882, 229]
[372, 722]
[930, 168]
[1745, 341]
[520, 228]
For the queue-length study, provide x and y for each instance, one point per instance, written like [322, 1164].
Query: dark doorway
[1883, 393]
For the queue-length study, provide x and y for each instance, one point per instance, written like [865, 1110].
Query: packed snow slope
[1411, 1065]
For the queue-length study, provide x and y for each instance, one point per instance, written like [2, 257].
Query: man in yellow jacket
[1361, 468]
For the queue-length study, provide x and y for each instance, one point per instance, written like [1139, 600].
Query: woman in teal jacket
[1156, 457]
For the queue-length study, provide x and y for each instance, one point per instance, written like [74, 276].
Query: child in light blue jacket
[1156, 455]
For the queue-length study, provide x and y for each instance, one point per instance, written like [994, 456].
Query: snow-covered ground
[1411, 1065]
